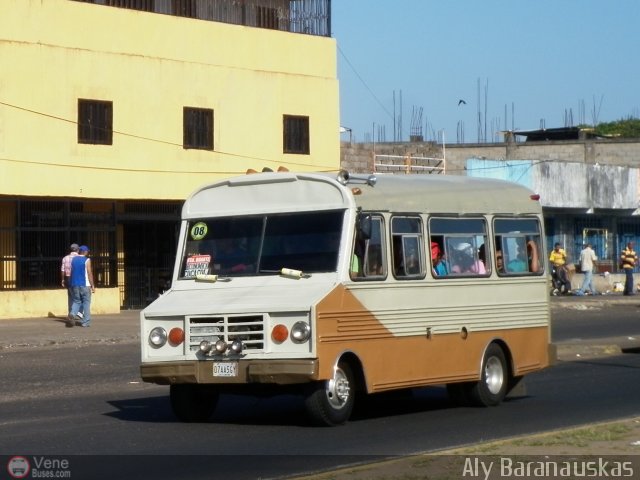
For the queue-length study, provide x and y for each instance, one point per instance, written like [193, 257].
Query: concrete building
[113, 111]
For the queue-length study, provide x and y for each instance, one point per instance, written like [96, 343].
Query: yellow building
[113, 111]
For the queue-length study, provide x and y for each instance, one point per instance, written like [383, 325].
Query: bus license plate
[225, 369]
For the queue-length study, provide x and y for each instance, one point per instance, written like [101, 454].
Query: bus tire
[330, 402]
[492, 387]
[193, 403]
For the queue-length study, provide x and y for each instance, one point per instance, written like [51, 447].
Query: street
[87, 399]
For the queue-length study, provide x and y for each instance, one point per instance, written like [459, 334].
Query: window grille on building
[95, 122]
[198, 128]
[132, 244]
[296, 134]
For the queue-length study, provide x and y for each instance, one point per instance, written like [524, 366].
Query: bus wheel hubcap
[494, 375]
[338, 389]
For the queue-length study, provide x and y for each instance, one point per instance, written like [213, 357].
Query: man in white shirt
[587, 260]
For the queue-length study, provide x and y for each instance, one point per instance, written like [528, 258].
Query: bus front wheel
[330, 402]
[491, 389]
[193, 403]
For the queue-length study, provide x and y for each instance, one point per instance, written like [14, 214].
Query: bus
[339, 286]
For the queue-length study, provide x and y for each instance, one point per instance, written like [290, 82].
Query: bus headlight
[205, 346]
[300, 332]
[158, 337]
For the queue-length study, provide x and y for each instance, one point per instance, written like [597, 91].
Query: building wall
[358, 157]
[151, 66]
[53, 303]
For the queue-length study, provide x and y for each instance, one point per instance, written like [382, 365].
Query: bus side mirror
[363, 226]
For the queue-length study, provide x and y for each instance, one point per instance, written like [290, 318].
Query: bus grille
[248, 329]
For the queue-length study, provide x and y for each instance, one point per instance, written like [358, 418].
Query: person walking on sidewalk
[587, 261]
[82, 286]
[65, 275]
[628, 259]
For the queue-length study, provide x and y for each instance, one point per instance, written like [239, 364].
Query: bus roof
[287, 191]
[446, 194]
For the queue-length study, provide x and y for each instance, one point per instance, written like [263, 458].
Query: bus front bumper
[281, 372]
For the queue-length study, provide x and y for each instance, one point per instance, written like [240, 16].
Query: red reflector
[535, 196]
[176, 336]
[279, 333]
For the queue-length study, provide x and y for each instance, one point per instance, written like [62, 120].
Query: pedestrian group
[587, 261]
[77, 277]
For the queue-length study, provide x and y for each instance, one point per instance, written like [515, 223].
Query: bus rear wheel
[330, 402]
[193, 403]
[491, 389]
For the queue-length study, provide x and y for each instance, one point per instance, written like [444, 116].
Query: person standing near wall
[587, 262]
[82, 286]
[628, 261]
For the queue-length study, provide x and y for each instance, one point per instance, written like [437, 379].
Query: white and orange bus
[339, 285]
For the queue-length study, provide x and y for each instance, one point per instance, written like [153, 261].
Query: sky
[518, 65]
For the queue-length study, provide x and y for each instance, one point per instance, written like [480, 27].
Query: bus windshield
[262, 245]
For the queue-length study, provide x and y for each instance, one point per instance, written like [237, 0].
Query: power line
[365, 84]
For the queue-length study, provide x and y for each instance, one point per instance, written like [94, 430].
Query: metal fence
[124, 238]
[312, 17]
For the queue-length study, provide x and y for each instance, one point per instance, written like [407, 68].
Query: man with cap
[82, 285]
[65, 274]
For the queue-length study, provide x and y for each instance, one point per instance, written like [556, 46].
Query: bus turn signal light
[279, 333]
[176, 336]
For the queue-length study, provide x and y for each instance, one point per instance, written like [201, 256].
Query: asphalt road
[77, 395]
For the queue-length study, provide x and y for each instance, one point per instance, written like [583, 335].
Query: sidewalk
[52, 331]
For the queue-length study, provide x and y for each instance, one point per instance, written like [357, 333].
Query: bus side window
[463, 247]
[407, 247]
[368, 261]
[518, 240]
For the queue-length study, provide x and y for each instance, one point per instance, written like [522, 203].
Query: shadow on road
[287, 410]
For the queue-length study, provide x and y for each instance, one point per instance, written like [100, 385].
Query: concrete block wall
[358, 157]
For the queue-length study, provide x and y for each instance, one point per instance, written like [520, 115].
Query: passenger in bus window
[499, 261]
[412, 262]
[374, 261]
[482, 255]
[533, 256]
[398, 261]
[465, 261]
[359, 247]
[437, 259]
[517, 264]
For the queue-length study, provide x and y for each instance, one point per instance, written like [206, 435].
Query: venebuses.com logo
[19, 466]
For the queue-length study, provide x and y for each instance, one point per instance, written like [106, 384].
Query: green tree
[627, 128]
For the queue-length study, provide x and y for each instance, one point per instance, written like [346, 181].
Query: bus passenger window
[518, 240]
[464, 246]
[368, 261]
[407, 247]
